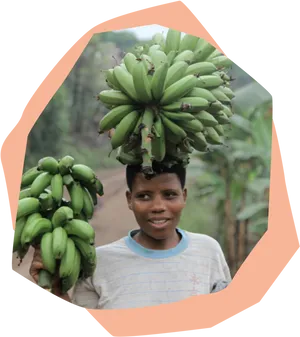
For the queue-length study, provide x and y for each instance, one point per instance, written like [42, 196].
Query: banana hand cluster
[167, 100]
[59, 226]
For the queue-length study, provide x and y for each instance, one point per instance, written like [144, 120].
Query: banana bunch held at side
[167, 100]
[60, 227]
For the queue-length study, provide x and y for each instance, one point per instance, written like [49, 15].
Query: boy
[159, 263]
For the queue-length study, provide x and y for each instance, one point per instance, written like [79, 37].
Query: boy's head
[157, 203]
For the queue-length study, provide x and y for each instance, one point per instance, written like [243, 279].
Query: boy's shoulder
[117, 245]
[203, 240]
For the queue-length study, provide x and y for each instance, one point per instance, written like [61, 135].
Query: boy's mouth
[158, 221]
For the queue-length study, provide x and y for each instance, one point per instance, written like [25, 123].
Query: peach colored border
[253, 278]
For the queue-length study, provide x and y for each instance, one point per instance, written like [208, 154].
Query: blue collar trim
[153, 253]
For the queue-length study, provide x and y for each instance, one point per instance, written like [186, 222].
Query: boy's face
[157, 204]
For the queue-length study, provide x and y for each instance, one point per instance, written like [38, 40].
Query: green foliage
[69, 122]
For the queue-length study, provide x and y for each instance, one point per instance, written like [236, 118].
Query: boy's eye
[143, 196]
[170, 194]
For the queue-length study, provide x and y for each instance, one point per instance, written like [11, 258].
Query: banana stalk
[147, 141]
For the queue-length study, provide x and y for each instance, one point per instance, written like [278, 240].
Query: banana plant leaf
[250, 96]
[252, 210]
[259, 226]
[259, 185]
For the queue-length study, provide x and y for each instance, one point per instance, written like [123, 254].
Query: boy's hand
[37, 265]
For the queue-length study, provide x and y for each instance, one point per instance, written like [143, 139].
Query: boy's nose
[158, 205]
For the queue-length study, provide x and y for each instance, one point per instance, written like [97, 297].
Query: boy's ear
[184, 194]
[128, 197]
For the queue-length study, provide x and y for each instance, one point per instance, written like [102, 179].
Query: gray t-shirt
[131, 276]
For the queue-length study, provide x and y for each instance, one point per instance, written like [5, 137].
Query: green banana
[88, 204]
[170, 57]
[25, 193]
[227, 91]
[48, 164]
[76, 196]
[188, 42]
[158, 39]
[45, 279]
[178, 116]
[20, 223]
[46, 202]
[220, 130]
[158, 141]
[188, 104]
[175, 72]
[111, 81]
[206, 118]
[153, 48]
[27, 206]
[178, 89]
[201, 69]
[57, 188]
[173, 39]
[214, 54]
[220, 96]
[99, 187]
[113, 117]
[69, 281]
[212, 136]
[67, 261]
[48, 259]
[40, 183]
[65, 164]
[215, 107]
[222, 118]
[92, 191]
[185, 146]
[221, 62]
[228, 112]
[147, 62]
[82, 229]
[203, 93]
[125, 81]
[141, 82]
[223, 75]
[209, 81]
[29, 176]
[88, 269]
[203, 52]
[191, 126]
[128, 158]
[59, 242]
[83, 173]
[34, 228]
[173, 132]
[186, 56]
[68, 180]
[158, 57]
[124, 129]
[114, 97]
[22, 251]
[61, 216]
[130, 61]
[198, 141]
[87, 251]
[158, 81]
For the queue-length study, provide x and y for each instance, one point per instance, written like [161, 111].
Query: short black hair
[133, 170]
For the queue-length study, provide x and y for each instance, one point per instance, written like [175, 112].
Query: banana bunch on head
[60, 227]
[167, 100]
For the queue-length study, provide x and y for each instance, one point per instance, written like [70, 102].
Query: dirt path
[112, 218]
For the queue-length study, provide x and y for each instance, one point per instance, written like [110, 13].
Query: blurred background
[228, 189]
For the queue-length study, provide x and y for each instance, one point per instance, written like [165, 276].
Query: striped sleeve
[85, 294]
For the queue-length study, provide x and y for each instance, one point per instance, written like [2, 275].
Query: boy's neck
[148, 242]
